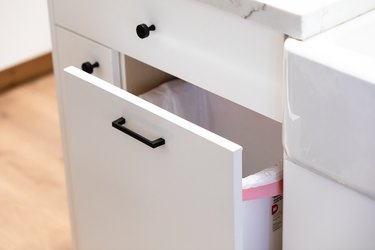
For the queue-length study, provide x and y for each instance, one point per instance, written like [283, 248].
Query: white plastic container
[263, 209]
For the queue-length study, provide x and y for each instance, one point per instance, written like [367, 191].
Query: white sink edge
[339, 49]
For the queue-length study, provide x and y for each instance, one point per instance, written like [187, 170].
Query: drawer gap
[260, 136]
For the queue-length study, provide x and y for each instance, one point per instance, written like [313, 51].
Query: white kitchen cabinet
[323, 214]
[186, 193]
[125, 192]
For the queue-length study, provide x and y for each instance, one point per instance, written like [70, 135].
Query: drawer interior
[260, 136]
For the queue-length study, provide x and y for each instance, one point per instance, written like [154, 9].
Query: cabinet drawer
[143, 197]
[229, 56]
[74, 50]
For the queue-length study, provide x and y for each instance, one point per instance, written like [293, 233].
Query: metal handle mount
[119, 125]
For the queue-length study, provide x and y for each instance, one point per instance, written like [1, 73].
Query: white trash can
[263, 209]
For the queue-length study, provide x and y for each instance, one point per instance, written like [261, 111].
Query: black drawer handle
[89, 67]
[119, 125]
[143, 30]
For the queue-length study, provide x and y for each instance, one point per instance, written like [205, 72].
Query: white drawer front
[185, 194]
[73, 50]
[234, 58]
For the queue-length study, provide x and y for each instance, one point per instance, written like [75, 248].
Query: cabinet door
[185, 194]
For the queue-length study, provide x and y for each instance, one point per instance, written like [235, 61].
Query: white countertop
[297, 18]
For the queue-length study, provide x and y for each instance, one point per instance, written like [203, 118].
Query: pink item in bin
[269, 190]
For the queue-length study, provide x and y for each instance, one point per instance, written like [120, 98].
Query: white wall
[24, 31]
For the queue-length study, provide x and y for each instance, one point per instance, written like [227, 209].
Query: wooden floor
[33, 202]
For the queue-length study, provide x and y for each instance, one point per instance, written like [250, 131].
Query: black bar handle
[119, 125]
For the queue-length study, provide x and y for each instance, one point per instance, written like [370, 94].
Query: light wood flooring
[33, 202]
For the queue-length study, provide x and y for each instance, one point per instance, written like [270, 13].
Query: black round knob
[89, 67]
[143, 30]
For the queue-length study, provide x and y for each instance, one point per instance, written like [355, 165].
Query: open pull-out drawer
[128, 195]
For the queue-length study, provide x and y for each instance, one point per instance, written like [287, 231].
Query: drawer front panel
[73, 50]
[229, 56]
[185, 194]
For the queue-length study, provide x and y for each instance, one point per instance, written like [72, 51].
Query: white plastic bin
[262, 209]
